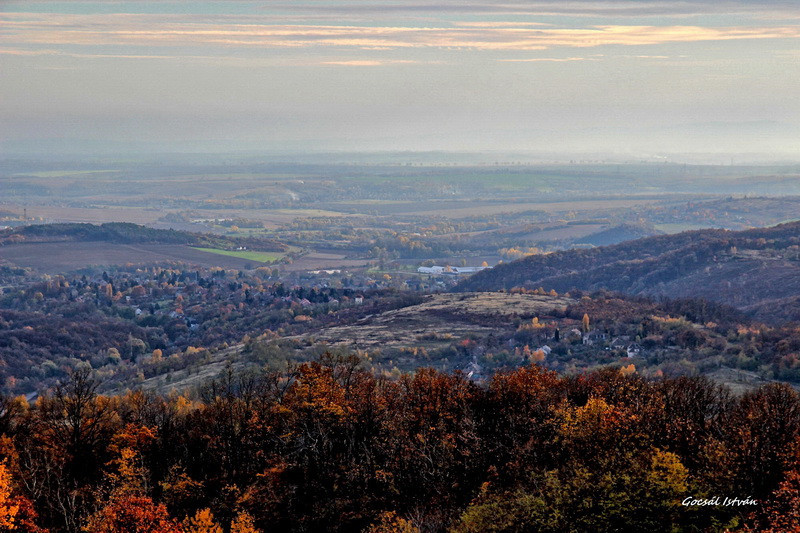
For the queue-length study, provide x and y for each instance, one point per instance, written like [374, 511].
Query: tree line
[328, 446]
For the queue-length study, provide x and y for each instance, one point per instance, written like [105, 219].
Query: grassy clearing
[440, 319]
[261, 257]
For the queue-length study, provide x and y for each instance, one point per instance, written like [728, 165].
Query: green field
[261, 257]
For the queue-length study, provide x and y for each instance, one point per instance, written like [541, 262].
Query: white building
[450, 270]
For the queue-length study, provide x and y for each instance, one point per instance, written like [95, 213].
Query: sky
[619, 76]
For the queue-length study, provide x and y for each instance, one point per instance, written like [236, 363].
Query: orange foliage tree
[132, 514]
[201, 522]
[8, 506]
[243, 523]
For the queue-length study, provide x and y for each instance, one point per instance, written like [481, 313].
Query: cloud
[586, 8]
[26, 30]
[23, 52]
[367, 62]
[355, 63]
[46, 52]
[497, 24]
[548, 59]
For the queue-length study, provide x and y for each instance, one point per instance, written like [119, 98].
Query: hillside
[483, 333]
[756, 270]
[617, 234]
[126, 233]
[164, 328]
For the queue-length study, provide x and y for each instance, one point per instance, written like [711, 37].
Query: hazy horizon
[634, 78]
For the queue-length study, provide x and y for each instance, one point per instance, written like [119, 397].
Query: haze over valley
[399, 267]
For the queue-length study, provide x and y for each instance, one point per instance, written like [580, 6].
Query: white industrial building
[451, 270]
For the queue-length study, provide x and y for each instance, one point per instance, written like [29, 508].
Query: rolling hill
[756, 271]
[60, 248]
[127, 233]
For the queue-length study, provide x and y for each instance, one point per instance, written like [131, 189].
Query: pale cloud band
[25, 31]
[397, 74]
[548, 59]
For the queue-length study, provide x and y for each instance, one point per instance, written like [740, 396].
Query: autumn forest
[327, 446]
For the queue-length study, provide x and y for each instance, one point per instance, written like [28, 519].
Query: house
[634, 350]
[546, 349]
[594, 337]
[358, 300]
[619, 343]
[473, 370]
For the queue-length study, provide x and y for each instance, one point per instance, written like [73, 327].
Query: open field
[99, 214]
[307, 213]
[66, 173]
[486, 209]
[440, 319]
[261, 257]
[394, 212]
[573, 231]
[321, 260]
[56, 257]
[92, 215]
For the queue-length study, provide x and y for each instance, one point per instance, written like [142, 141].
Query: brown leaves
[327, 445]
[390, 522]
